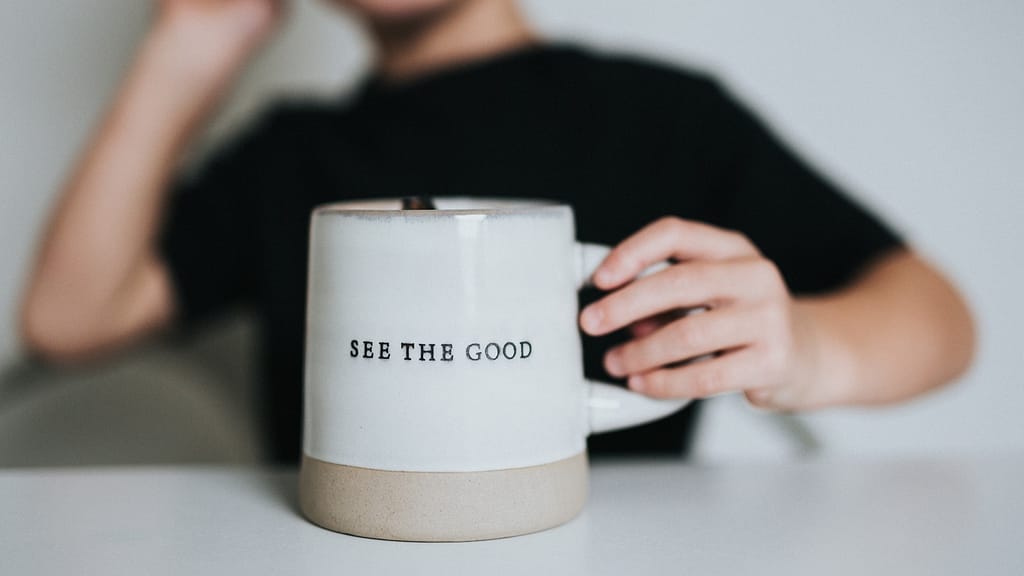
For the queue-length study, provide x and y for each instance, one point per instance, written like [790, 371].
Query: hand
[751, 325]
[210, 40]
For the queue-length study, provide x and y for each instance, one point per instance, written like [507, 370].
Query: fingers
[669, 238]
[683, 339]
[649, 325]
[687, 285]
[749, 325]
[738, 370]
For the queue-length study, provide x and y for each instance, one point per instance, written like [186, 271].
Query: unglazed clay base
[442, 506]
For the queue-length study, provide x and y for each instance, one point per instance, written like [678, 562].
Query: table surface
[938, 516]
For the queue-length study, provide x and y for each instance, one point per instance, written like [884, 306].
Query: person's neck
[467, 31]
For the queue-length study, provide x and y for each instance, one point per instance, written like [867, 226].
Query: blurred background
[915, 107]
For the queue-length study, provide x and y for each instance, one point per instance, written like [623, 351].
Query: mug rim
[485, 206]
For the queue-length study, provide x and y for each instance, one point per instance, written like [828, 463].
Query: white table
[955, 516]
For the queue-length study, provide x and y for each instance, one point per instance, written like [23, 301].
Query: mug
[444, 390]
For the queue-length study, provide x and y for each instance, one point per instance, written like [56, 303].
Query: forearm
[108, 211]
[97, 278]
[898, 331]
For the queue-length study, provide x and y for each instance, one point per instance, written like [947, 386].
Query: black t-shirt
[622, 140]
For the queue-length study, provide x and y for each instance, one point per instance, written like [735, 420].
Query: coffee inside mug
[493, 205]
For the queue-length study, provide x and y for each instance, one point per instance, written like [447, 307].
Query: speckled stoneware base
[442, 506]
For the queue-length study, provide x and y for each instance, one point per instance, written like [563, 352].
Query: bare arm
[98, 280]
[901, 329]
[896, 331]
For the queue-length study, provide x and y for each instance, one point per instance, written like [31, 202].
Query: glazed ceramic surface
[447, 340]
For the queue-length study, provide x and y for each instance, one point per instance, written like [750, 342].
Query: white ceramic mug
[444, 389]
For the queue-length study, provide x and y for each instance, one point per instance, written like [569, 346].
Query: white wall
[916, 106]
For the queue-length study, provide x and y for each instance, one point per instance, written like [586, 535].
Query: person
[813, 301]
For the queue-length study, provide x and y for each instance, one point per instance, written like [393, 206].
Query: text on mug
[444, 352]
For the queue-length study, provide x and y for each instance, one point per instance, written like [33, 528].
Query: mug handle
[612, 407]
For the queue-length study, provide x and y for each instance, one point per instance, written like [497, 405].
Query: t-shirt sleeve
[211, 235]
[817, 235]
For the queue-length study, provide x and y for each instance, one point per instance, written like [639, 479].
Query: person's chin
[396, 10]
